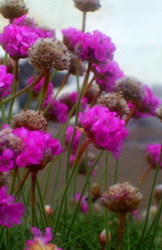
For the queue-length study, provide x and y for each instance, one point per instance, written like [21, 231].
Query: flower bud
[48, 210]
[11, 9]
[121, 198]
[87, 5]
[158, 193]
[49, 53]
[102, 238]
[30, 119]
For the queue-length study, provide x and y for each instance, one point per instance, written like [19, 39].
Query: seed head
[159, 113]
[48, 53]
[30, 119]
[130, 88]
[87, 5]
[115, 102]
[11, 9]
[158, 192]
[122, 198]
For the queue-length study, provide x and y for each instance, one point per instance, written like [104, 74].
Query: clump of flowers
[58, 111]
[71, 37]
[11, 9]
[87, 5]
[16, 40]
[6, 80]
[115, 102]
[39, 241]
[97, 47]
[10, 212]
[106, 75]
[30, 119]
[38, 87]
[49, 53]
[153, 154]
[104, 129]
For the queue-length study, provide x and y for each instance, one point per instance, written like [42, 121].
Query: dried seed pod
[87, 5]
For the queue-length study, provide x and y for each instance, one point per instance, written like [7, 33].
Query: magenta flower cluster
[6, 80]
[10, 212]
[39, 241]
[71, 37]
[105, 130]
[106, 75]
[16, 40]
[153, 152]
[68, 137]
[22, 148]
[96, 47]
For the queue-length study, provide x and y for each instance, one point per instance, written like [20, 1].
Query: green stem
[150, 199]
[53, 75]
[47, 179]
[3, 114]
[33, 179]
[106, 210]
[83, 190]
[56, 179]
[45, 88]
[116, 171]
[84, 21]
[5, 59]
[15, 173]
[7, 239]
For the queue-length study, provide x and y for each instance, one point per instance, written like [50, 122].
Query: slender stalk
[84, 21]
[88, 85]
[15, 174]
[150, 199]
[144, 176]
[61, 87]
[23, 90]
[24, 178]
[5, 59]
[3, 114]
[22, 236]
[56, 179]
[53, 75]
[68, 184]
[82, 192]
[116, 171]
[95, 99]
[121, 228]
[7, 239]
[77, 75]
[33, 180]
[129, 116]
[45, 88]
[47, 179]
[106, 210]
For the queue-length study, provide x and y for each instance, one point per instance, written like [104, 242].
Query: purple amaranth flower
[41, 31]
[71, 37]
[16, 40]
[153, 154]
[83, 205]
[104, 129]
[106, 75]
[71, 98]
[6, 80]
[68, 137]
[39, 241]
[38, 87]
[10, 212]
[58, 111]
[96, 47]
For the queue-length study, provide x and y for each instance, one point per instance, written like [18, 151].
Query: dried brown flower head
[48, 53]
[115, 102]
[122, 198]
[87, 5]
[130, 88]
[11, 9]
[159, 113]
[30, 119]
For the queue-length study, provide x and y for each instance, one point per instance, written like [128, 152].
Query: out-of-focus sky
[135, 27]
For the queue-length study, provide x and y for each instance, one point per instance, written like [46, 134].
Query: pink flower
[96, 47]
[25, 21]
[105, 130]
[10, 212]
[153, 154]
[58, 112]
[16, 40]
[83, 205]
[71, 37]
[37, 88]
[6, 80]
[68, 137]
[106, 75]
[39, 241]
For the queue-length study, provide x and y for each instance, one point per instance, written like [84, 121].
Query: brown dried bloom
[130, 88]
[95, 192]
[48, 53]
[158, 193]
[11, 9]
[10, 64]
[159, 113]
[87, 5]
[122, 198]
[73, 66]
[115, 102]
[30, 119]
[4, 178]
